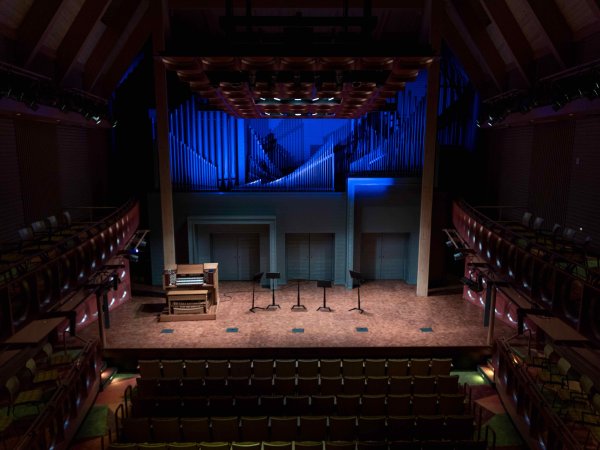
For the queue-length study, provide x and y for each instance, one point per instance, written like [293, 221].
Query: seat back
[195, 368]
[397, 367]
[149, 368]
[308, 367]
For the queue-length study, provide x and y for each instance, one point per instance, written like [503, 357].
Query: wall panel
[74, 163]
[513, 164]
[550, 179]
[584, 196]
[38, 167]
[10, 194]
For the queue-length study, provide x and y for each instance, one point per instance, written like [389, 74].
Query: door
[309, 256]
[238, 255]
[384, 256]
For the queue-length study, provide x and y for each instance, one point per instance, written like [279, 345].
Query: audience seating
[305, 429]
[267, 368]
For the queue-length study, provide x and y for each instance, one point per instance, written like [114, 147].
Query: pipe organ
[211, 150]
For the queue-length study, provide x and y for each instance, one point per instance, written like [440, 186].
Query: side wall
[550, 169]
[48, 167]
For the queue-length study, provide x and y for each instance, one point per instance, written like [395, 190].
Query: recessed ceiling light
[276, 99]
[297, 114]
[330, 98]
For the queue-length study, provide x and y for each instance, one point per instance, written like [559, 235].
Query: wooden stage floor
[395, 323]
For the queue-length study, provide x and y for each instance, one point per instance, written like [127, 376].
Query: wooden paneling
[584, 195]
[550, 174]
[10, 195]
[76, 172]
[511, 156]
[38, 167]
[98, 146]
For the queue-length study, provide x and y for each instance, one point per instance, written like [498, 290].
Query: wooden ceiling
[504, 45]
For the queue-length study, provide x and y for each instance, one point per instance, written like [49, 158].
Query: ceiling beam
[463, 38]
[115, 27]
[475, 21]
[134, 44]
[66, 55]
[512, 33]
[32, 32]
[452, 37]
[557, 31]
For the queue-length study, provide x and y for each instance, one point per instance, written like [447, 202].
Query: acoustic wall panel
[510, 166]
[38, 166]
[75, 168]
[584, 196]
[551, 171]
[10, 195]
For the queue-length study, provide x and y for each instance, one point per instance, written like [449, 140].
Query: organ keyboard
[191, 289]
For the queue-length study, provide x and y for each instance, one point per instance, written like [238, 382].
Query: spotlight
[449, 244]
[142, 243]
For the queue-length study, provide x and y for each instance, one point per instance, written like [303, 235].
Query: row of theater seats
[190, 387]
[302, 428]
[470, 444]
[296, 405]
[41, 234]
[292, 367]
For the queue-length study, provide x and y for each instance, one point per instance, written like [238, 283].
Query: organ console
[192, 292]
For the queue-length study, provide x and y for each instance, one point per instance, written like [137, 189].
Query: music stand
[255, 280]
[272, 276]
[358, 277]
[324, 284]
[298, 305]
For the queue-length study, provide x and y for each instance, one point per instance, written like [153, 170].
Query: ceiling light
[297, 114]
[330, 98]
[316, 99]
[276, 99]
[298, 99]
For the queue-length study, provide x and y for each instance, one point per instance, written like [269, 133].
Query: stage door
[383, 256]
[238, 255]
[309, 256]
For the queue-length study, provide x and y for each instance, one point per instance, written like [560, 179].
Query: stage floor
[395, 320]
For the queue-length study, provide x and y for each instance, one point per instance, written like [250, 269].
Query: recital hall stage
[396, 323]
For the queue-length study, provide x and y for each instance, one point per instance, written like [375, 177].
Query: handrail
[42, 429]
[42, 254]
[550, 419]
[119, 429]
[547, 284]
[513, 236]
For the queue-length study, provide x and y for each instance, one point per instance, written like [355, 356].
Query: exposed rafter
[513, 35]
[473, 17]
[35, 26]
[122, 61]
[115, 26]
[556, 29]
[90, 13]
[452, 37]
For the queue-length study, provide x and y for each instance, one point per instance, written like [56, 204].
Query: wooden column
[160, 15]
[433, 87]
